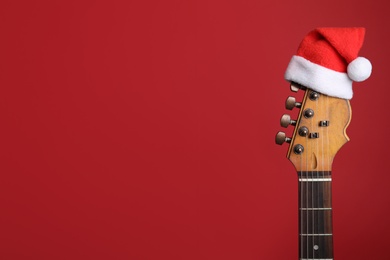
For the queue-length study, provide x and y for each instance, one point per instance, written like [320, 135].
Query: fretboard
[315, 215]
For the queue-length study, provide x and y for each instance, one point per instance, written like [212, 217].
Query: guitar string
[325, 151]
[306, 205]
[300, 211]
[321, 185]
[326, 164]
[307, 198]
[316, 185]
[303, 198]
[330, 175]
[320, 190]
[302, 187]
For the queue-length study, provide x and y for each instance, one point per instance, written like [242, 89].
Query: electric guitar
[320, 131]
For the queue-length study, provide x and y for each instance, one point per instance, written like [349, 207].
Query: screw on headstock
[303, 131]
[308, 113]
[298, 149]
[314, 96]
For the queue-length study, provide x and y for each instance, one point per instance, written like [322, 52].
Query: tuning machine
[291, 103]
[281, 138]
[286, 120]
[295, 87]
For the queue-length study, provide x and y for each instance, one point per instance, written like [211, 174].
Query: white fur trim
[359, 69]
[319, 78]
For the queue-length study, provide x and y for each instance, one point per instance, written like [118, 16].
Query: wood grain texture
[319, 152]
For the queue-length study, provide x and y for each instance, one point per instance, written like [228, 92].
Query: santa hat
[327, 61]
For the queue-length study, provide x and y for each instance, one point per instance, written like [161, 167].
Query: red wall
[145, 130]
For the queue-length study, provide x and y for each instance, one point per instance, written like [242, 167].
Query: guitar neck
[315, 215]
[320, 131]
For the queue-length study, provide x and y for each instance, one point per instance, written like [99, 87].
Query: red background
[145, 130]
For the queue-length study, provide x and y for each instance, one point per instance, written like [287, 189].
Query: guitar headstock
[320, 129]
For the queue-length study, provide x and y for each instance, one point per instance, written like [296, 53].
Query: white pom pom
[359, 69]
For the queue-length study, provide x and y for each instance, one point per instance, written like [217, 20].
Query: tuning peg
[291, 103]
[286, 120]
[294, 88]
[281, 138]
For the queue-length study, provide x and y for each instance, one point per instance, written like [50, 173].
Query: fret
[315, 208]
[316, 234]
[315, 180]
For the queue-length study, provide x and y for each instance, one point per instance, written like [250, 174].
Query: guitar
[320, 131]
[324, 67]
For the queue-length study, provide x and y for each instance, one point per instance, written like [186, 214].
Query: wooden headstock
[320, 130]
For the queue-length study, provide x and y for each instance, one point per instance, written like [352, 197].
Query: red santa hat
[327, 61]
